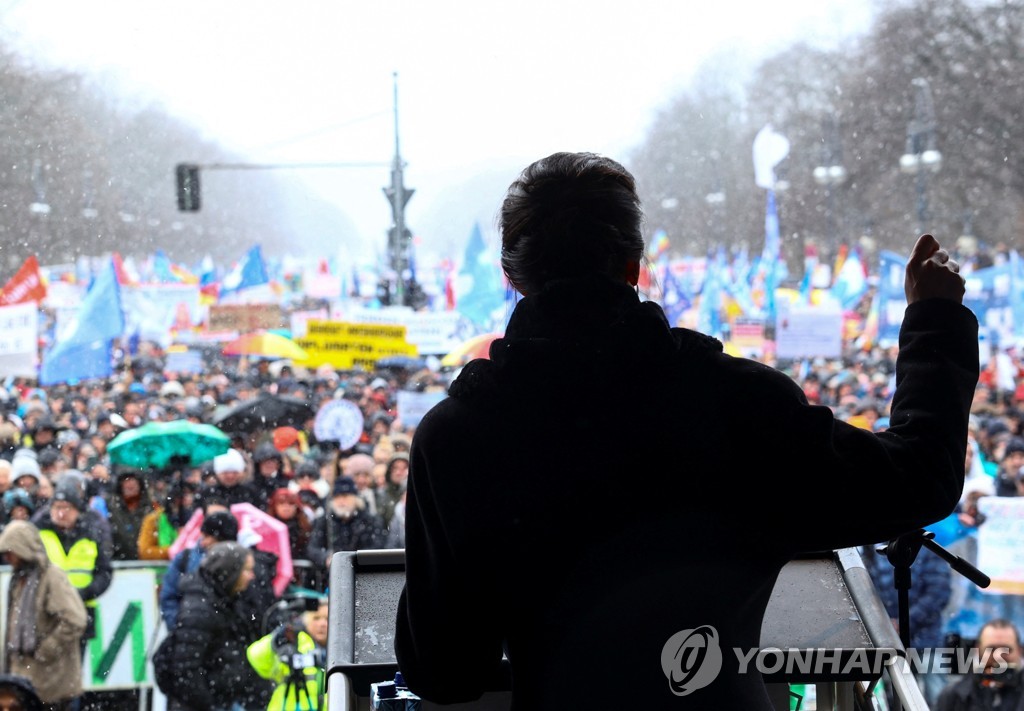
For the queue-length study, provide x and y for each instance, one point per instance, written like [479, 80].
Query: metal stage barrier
[825, 605]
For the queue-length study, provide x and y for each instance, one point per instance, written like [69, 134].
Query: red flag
[27, 285]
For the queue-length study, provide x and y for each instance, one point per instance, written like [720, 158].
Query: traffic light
[187, 176]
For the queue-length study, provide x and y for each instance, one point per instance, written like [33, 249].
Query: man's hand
[932, 274]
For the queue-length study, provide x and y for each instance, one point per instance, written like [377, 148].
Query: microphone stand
[901, 552]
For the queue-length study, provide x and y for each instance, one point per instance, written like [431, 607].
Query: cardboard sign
[245, 318]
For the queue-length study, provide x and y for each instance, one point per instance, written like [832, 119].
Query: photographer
[292, 657]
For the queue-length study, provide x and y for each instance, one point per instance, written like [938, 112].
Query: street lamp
[921, 155]
[830, 174]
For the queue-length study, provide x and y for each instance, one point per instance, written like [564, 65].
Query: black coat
[968, 695]
[212, 633]
[522, 534]
[331, 534]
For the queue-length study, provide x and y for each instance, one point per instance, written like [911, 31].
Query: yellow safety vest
[79, 562]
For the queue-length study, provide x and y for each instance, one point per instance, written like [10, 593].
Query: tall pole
[399, 237]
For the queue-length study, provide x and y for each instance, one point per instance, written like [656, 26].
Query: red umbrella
[274, 535]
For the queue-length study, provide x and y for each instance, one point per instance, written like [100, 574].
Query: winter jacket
[126, 526]
[589, 392]
[211, 637]
[331, 534]
[186, 561]
[87, 533]
[150, 547]
[266, 660]
[969, 695]
[55, 668]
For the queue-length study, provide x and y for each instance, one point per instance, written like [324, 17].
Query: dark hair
[1000, 623]
[569, 215]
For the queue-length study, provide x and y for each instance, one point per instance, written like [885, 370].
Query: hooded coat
[126, 523]
[59, 618]
[494, 565]
[212, 633]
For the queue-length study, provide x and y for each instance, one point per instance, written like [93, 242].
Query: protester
[395, 482]
[211, 634]
[229, 469]
[46, 618]
[76, 543]
[129, 505]
[217, 527]
[545, 433]
[346, 526]
[160, 526]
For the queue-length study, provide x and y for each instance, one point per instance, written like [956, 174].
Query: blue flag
[84, 352]
[250, 271]
[892, 298]
[675, 301]
[485, 294]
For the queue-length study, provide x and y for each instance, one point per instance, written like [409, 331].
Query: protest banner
[19, 350]
[245, 318]
[412, 406]
[433, 333]
[809, 332]
[1000, 554]
[346, 346]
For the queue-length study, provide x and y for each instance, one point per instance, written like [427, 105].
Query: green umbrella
[154, 445]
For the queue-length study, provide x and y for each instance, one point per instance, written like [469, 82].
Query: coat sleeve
[149, 545]
[832, 485]
[263, 659]
[447, 641]
[317, 551]
[63, 605]
[170, 595]
[103, 571]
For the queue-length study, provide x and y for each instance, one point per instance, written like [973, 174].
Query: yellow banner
[345, 346]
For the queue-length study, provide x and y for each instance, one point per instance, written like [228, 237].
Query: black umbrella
[265, 411]
[402, 362]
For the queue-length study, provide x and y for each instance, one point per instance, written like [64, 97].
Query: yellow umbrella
[475, 347]
[266, 345]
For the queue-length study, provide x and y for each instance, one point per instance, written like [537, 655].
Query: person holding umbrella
[229, 469]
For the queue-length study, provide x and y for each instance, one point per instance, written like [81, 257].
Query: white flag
[770, 148]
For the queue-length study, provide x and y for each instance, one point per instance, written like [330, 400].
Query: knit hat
[264, 452]
[14, 498]
[67, 490]
[223, 564]
[358, 463]
[307, 468]
[221, 525]
[231, 461]
[1015, 445]
[344, 485]
[25, 464]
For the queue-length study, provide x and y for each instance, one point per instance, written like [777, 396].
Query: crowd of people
[57, 475]
[68, 506]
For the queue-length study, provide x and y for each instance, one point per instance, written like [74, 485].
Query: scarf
[21, 638]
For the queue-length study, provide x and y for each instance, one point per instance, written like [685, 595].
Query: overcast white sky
[483, 86]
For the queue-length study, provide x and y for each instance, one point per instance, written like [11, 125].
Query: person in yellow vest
[276, 655]
[77, 543]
